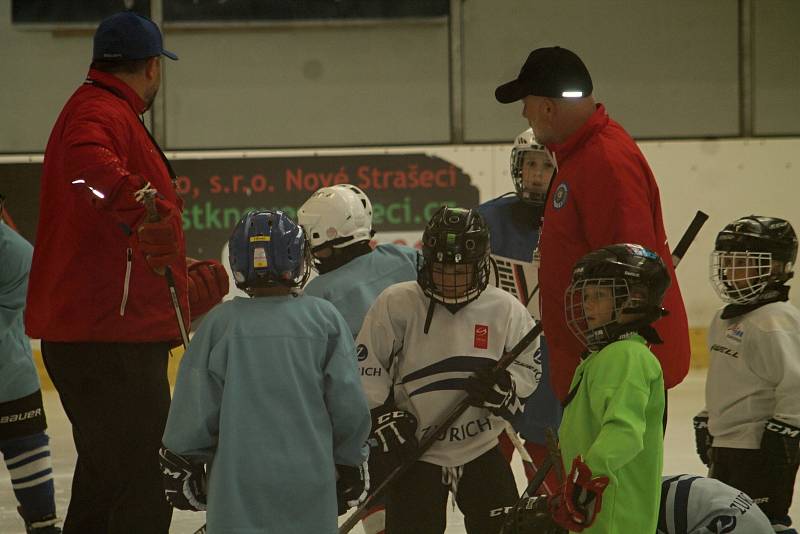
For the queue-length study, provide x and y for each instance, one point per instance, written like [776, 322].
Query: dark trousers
[116, 396]
[768, 481]
[417, 503]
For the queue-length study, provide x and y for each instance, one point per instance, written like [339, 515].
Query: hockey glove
[531, 515]
[780, 443]
[494, 390]
[208, 283]
[158, 243]
[702, 438]
[351, 486]
[392, 442]
[577, 504]
[184, 481]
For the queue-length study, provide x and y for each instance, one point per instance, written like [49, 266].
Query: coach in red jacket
[96, 298]
[603, 193]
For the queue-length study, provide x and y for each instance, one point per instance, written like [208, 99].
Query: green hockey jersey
[615, 422]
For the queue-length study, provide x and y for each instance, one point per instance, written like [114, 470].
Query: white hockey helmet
[529, 158]
[337, 216]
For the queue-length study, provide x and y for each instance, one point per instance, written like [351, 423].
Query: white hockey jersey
[699, 505]
[754, 374]
[426, 372]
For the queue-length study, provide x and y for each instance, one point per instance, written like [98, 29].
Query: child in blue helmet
[268, 398]
[24, 444]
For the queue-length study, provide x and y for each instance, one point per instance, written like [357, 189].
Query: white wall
[727, 179]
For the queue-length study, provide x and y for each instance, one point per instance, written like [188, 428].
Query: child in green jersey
[612, 433]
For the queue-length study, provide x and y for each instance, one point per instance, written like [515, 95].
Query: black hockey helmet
[455, 241]
[634, 278]
[746, 251]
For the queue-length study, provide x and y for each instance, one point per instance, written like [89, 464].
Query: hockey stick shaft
[428, 441]
[518, 445]
[688, 237]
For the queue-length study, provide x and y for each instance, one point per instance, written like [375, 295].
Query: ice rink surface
[679, 457]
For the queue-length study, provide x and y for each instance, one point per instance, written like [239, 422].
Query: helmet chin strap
[770, 294]
[615, 330]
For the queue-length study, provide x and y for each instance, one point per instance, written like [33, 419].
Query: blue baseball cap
[126, 35]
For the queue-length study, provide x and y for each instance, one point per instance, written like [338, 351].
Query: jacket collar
[119, 88]
[594, 124]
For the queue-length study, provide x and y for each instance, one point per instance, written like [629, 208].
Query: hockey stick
[688, 237]
[428, 441]
[152, 216]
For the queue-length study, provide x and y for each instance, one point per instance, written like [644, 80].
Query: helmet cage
[452, 287]
[739, 277]
[519, 155]
[622, 301]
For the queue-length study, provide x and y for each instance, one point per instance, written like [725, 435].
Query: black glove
[531, 515]
[702, 439]
[393, 441]
[494, 390]
[781, 443]
[184, 481]
[351, 486]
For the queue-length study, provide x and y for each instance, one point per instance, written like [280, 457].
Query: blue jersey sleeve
[193, 423]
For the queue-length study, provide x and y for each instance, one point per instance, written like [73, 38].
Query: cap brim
[171, 55]
[510, 92]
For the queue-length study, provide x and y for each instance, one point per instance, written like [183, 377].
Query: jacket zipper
[127, 282]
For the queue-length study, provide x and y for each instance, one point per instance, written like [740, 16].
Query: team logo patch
[361, 352]
[722, 524]
[481, 336]
[560, 196]
[734, 332]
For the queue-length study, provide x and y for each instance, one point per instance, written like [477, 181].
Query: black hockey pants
[768, 481]
[417, 502]
[116, 396]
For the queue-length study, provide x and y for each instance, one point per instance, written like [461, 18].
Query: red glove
[208, 283]
[158, 242]
[577, 504]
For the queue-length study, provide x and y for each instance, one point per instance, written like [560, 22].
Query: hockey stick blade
[427, 442]
[688, 236]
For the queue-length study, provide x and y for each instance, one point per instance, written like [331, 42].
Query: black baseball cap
[553, 72]
[126, 35]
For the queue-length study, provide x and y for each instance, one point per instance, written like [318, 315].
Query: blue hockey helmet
[266, 249]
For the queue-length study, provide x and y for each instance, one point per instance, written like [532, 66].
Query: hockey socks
[29, 464]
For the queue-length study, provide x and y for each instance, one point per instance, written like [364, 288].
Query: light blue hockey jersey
[269, 394]
[353, 287]
[18, 376]
[514, 234]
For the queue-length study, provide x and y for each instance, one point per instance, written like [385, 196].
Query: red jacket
[88, 281]
[604, 193]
